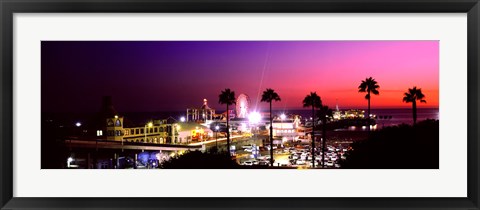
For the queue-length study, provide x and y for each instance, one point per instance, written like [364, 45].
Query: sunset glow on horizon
[175, 75]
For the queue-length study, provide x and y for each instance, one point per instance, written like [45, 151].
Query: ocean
[398, 116]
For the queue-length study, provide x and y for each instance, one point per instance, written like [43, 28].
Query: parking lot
[295, 155]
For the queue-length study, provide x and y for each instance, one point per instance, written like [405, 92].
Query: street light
[216, 136]
[182, 119]
[69, 161]
[149, 125]
[254, 117]
[78, 130]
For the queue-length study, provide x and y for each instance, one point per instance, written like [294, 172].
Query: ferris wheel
[242, 106]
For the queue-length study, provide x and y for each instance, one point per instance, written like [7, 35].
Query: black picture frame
[9, 7]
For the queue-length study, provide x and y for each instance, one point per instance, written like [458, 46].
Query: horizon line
[266, 110]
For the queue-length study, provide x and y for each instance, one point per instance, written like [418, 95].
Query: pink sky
[175, 75]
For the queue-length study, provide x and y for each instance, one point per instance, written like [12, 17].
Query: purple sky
[174, 75]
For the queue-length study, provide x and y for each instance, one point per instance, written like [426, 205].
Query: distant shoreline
[222, 110]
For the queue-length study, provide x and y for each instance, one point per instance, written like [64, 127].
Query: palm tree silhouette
[412, 96]
[314, 101]
[227, 97]
[270, 95]
[369, 85]
[325, 112]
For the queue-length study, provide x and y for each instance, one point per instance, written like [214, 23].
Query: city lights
[254, 117]
[296, 112]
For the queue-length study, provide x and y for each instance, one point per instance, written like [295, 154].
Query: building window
[137, 131]
[141, 131]
[99, 133]
[161, 129]
[118, 123]
[151, 130]
[156, 129]
[132, 131]
[126, 132]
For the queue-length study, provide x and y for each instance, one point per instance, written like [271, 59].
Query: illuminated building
[337, 115]
[202, 114]
[109, 125]
[286, 127]
[192, 132]
[354, 114]
[157, 132]
[349, 114]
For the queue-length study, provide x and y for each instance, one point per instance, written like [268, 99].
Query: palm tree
[325, 112]
[412, 96]
[314, 101]
[270, 95]
[227, 97]
[369, 85]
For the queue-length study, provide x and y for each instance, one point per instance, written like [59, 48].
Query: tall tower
[115, 128]
[337, 115]
[97, 125]
[336, 106]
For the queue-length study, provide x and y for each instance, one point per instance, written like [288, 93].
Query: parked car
[300, 162]
[247, 146]
[263, 163]
[247, 163]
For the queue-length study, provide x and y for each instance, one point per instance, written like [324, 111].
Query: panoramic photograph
[240, 104]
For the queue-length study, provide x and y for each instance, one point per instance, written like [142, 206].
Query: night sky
[175, 75]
